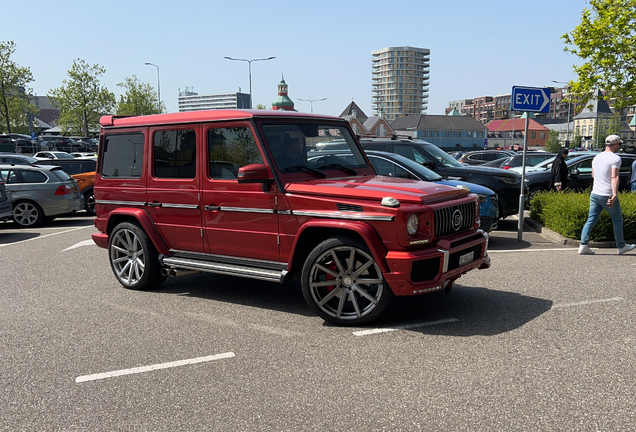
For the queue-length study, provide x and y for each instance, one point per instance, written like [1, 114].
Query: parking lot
[543, 340]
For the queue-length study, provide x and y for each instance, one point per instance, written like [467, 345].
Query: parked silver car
[6, 211]
[39, 192]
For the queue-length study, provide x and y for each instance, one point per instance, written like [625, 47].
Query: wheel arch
[315, 232]
[141, 218]
[29, 200]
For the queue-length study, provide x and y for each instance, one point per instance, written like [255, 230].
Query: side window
[584, 167]
[71, 168]
[9, 176]
[229, 149]
[88, 166]
[123, 155]
[387, 168]
[406, 151]
[33, 177]
[175, 154]
[420, 156]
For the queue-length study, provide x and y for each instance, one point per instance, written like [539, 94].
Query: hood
[376, 188]
[474, 188]
[476, 169]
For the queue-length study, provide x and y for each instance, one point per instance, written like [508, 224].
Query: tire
[89, 203]
[133, 258]
[342, 290]
[27, 214]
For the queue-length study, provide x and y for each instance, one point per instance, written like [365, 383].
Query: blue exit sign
[533, 99]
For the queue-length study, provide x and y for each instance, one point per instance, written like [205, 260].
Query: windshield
[302, 146]
[441, 156]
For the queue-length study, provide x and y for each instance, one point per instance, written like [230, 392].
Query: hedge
[566, 213]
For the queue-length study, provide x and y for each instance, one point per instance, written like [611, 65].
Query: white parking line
[141, 369]
[403, 327]
[80, 244]
[43, 236]
[533, 250]
[586, 302]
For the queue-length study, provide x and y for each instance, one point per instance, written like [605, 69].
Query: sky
[322, 48]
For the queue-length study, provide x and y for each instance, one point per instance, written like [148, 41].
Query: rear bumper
[423, 271]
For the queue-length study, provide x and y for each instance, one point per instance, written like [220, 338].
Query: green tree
[14, 99]
[553, 145]
[605, 41]
[81, 99]
[576, 142]
[261, 107]
[614, 126]
[138, 99]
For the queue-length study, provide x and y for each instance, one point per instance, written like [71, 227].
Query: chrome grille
[447, 221]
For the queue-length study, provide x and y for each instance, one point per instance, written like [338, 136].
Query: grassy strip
[566, 214]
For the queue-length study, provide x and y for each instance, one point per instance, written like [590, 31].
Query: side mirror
[430, 165]
[575, 173]
[254, 173]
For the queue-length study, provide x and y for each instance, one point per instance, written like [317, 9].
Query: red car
[235, 192]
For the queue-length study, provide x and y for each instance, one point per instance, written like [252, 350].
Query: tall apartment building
[191, 101]
[400, 81]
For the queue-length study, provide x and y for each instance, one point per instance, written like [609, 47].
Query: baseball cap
[613, 139]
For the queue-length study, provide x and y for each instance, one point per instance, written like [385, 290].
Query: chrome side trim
[132, 203]
[180, 206]
[247, 210]
[446, 256]
[284, 212]
[353, 216]
[251, 262]
[227, 269]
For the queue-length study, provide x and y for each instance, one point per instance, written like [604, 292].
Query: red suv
[241, 192]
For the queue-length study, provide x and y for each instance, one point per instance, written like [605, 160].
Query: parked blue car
[394, 165]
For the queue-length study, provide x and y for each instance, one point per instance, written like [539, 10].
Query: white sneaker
[585, 250]
[626, 248]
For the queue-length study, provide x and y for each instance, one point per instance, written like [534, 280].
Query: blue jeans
[597, 204]
[633, 186]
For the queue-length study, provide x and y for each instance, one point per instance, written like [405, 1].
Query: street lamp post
[567, 137]
[249, 62]
[158, 86]
[312, 102]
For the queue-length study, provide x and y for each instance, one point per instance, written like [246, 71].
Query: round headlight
[412, 224]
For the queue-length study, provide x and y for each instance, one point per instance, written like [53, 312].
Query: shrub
[567, 212]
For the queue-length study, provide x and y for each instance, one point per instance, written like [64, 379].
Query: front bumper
[432, 269]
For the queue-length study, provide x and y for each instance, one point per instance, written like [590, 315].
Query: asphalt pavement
[541, 341]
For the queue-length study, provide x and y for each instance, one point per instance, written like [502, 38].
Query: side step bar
[271, 275]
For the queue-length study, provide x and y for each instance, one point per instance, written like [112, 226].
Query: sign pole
[522, 197]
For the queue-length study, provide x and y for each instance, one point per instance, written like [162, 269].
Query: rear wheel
[342, 282]
[133, 258]
[27, 214]
[89, 203]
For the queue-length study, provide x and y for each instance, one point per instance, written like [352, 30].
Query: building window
[533, 135]
[542, 135]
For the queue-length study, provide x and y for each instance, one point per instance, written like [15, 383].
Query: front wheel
[133, 258]
[343, 284]
[89, 203]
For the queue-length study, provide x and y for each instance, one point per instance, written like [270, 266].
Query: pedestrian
[559, 174]
[632, 176]
[605, 171]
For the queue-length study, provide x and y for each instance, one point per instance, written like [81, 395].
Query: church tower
[283, 102]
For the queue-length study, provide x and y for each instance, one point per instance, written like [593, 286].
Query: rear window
[123, 155]
[29, 176]
[59, 173]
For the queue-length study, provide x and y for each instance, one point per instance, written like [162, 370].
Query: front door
[173, 187]
[240, 220]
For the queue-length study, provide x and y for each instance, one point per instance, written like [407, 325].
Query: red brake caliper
[334, 267]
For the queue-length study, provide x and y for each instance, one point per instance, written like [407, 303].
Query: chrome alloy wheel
[127, 257]
[26, 214]
[345, 283]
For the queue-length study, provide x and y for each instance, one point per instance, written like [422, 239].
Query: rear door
[240, 220]
[173, 186]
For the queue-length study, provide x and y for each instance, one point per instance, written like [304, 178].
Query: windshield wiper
[341, 166]
[304, 168]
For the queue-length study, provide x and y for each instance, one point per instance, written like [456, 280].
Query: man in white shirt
[605, 170]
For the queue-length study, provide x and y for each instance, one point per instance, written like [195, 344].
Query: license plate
[466, 258]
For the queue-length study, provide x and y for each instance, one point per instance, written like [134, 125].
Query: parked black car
[17, 159]
[479, 157]
[65, 144]
[506, 184]
[580, 174]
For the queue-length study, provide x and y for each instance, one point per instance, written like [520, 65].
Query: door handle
[154, 204]
[211, 208]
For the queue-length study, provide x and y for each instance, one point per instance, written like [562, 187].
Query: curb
[559, 239]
